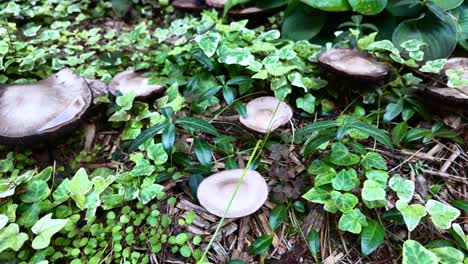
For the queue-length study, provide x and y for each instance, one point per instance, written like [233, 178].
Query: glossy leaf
[378, 134]
[368, 7]
[403, 187]
[11, 237]
[344, 202]
[277, 216]
[372, 236]
[302, 22]
[345, 180]
[146, 135]
[442, 214]
[44, 229]
[313, 239]
[198, 124]
[413, 252]
[168, 137]
[261, 244]
[373, 160]
[412, 214]
[352, 221]
[202, 151]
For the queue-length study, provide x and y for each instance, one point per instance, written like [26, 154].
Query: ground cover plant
[366, 170]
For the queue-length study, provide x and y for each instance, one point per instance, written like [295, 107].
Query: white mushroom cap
[354, 63]
[43, 107]
[216, 3]
[215, 192]
[260, 114]
[129, 80]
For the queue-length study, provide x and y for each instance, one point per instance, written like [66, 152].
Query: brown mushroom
[128, 81]
[216, 3]
[355, 64]
[215, 192]
[34, 111]
[187, 5]
[261, 115]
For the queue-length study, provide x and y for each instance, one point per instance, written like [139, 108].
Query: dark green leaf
[372, 236]
[194, 182]
[313, 144]
[167, 112]
[238, 80]
[209, 93]
[313, 239]
[199, 124]
[393, 214]
[203, 60]
[461, 204]
[168, 137]
[202, 151]
[378, 134]
[417, 133]
[228, 94]
[399, 133]
[277, 216]
[447, 4]
[241, 109]
[302, 22]
[261, 244]
[393, 110]
[317, 126]
[145, 135]
[299, 206]
[404, 8]
[235, 261]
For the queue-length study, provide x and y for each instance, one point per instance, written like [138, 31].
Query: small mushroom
[215, 192]
[356, 64]
[188, 5]
[128, 81]
[260, 114]
[448, 97]
[34, 111]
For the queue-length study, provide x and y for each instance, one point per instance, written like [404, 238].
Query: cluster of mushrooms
[55, 105]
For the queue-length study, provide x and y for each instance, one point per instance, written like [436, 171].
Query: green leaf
[228, 95]
[302, 22]
[345, 180]
[37, 191]
[306, 103]
[447, 4]
[352, 221]
[399, 133]
[317, 195]
[261, 244]
[373, 160]
[45, 228]
[208, 42]
[157, 154]
[417, 133]
[168, 137]
[202, 151]
[433, 66]
[277, 216]
[378, 176]
[372, 191]
[439, 36]
[378, 134]
[3, 221]
[393, 110]
[413, 252]
[459, 235]
[368, 7]
[148, 193]
[80, 183]
[372, 236]
[240, 56]
[313, 239]
[448, 255]
[460, 204]
[316, 142]
[10, 237]
[199, 124]
[403, 187]
[412, 214]
[146, 135]
[442, 214]
[317, 126]
[329, 5]
[341, 156]
[344, 202]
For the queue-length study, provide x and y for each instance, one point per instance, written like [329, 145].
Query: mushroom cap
[216, 3]
[98, 87]
[130, 80]
[454, 96]
[189, 5]
[215, 192]
[356, 64]
[39, 109]
[260, 114]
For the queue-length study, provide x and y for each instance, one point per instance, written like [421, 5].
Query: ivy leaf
[413, 252]
[146, 135]
[157, 154]
[277, 216]
[412, 214]
[352, 221]
[80, 183]
[459, 235]
[199, 124]
[202, 151]
[3, 221]
[403, 187]
[345, 180]
[261, 244]
[306, 103]
[373, 160]
[317, 195]
[341, 156]
[45, 228]
[378, 176]
[372, 191]
[37, 191]
[372, 236]
[344, 202]
[208, 42]
[442, 214]
[434, 66]
[399, 133]
[148, 193]
[10, 237]
[448, 255]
